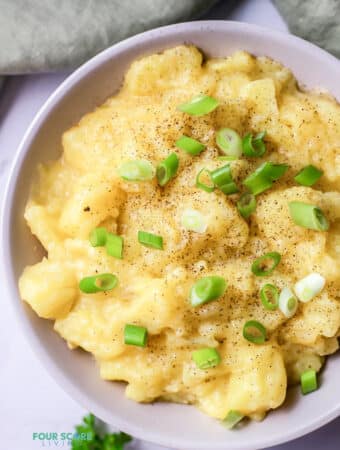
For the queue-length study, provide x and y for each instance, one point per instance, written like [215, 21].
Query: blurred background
[42, 42]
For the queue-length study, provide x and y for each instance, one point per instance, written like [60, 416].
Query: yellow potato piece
[50, 288]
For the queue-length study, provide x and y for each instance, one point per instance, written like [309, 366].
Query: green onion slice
[309, 382]
[308, 176]
[222, 179]
[167, 169]
[260, 266]
[97, 283]
[193, 220]
[309, 287]
[253, 146]
[138, 170]
[263, 177]
[150, 240]
[229, 142]
[98, 237]
[199, 105]
[207, 186]
[135, 335]
[270, 297]
[207, 289]
[114, 245]
[273, 171]
[308, 216]
[288, 303]
[232, 419]
[257, 183]
[254, 332]
[246, 204]
[206, 358]
[190, 145]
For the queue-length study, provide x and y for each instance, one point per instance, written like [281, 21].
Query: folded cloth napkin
[46, 35]
[317, 21]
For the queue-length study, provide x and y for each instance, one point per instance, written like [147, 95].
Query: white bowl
[163, 423]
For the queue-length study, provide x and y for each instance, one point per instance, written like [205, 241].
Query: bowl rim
[47, 362]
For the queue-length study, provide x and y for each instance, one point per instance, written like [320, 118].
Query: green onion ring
[308, 176]
[98, 237]
[207, 289]
[190, 145]
[308, 216]
[254, 146]
[199, 105]
[98, 283]
[223, 180]
[150, 240]
[137, 170]
[204, 186]
[114, 245]
[257, 269]
[206, 358]
[232, 419]
[167, 169]
[263, 177]
[309, 382]
[135, 335]
[254, 332]
[229, 142]
[246, 204]
[270, 297]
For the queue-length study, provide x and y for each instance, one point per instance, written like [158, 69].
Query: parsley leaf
[88, 437]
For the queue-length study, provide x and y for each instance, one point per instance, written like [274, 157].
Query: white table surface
[30, 401]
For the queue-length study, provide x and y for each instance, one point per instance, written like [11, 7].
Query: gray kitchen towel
[46, 35]
[317, 21]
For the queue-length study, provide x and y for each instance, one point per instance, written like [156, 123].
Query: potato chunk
[50, 288]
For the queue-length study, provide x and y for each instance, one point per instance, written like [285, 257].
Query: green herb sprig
[94, 441]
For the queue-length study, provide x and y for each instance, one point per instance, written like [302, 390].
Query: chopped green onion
[309, 382]
[204, 186]
[135, 335]
[257, 183]
[207, 289]
[308, 216]
[259, 265]
[273, 171]
[199, 105]
[114, 245]
[206, 358]
[150, 240]
[232, 419]
[288, 303]
[138, 170]
[270, 296]
[193, 220]
[98, 237]
[190, 145]
[263, 177]
[310, 286]
[308, 176]
[229, 142]
[254, 332]
[223, 180]
[254, 146]
[246, 204]
[167, 169]
[97, 283]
